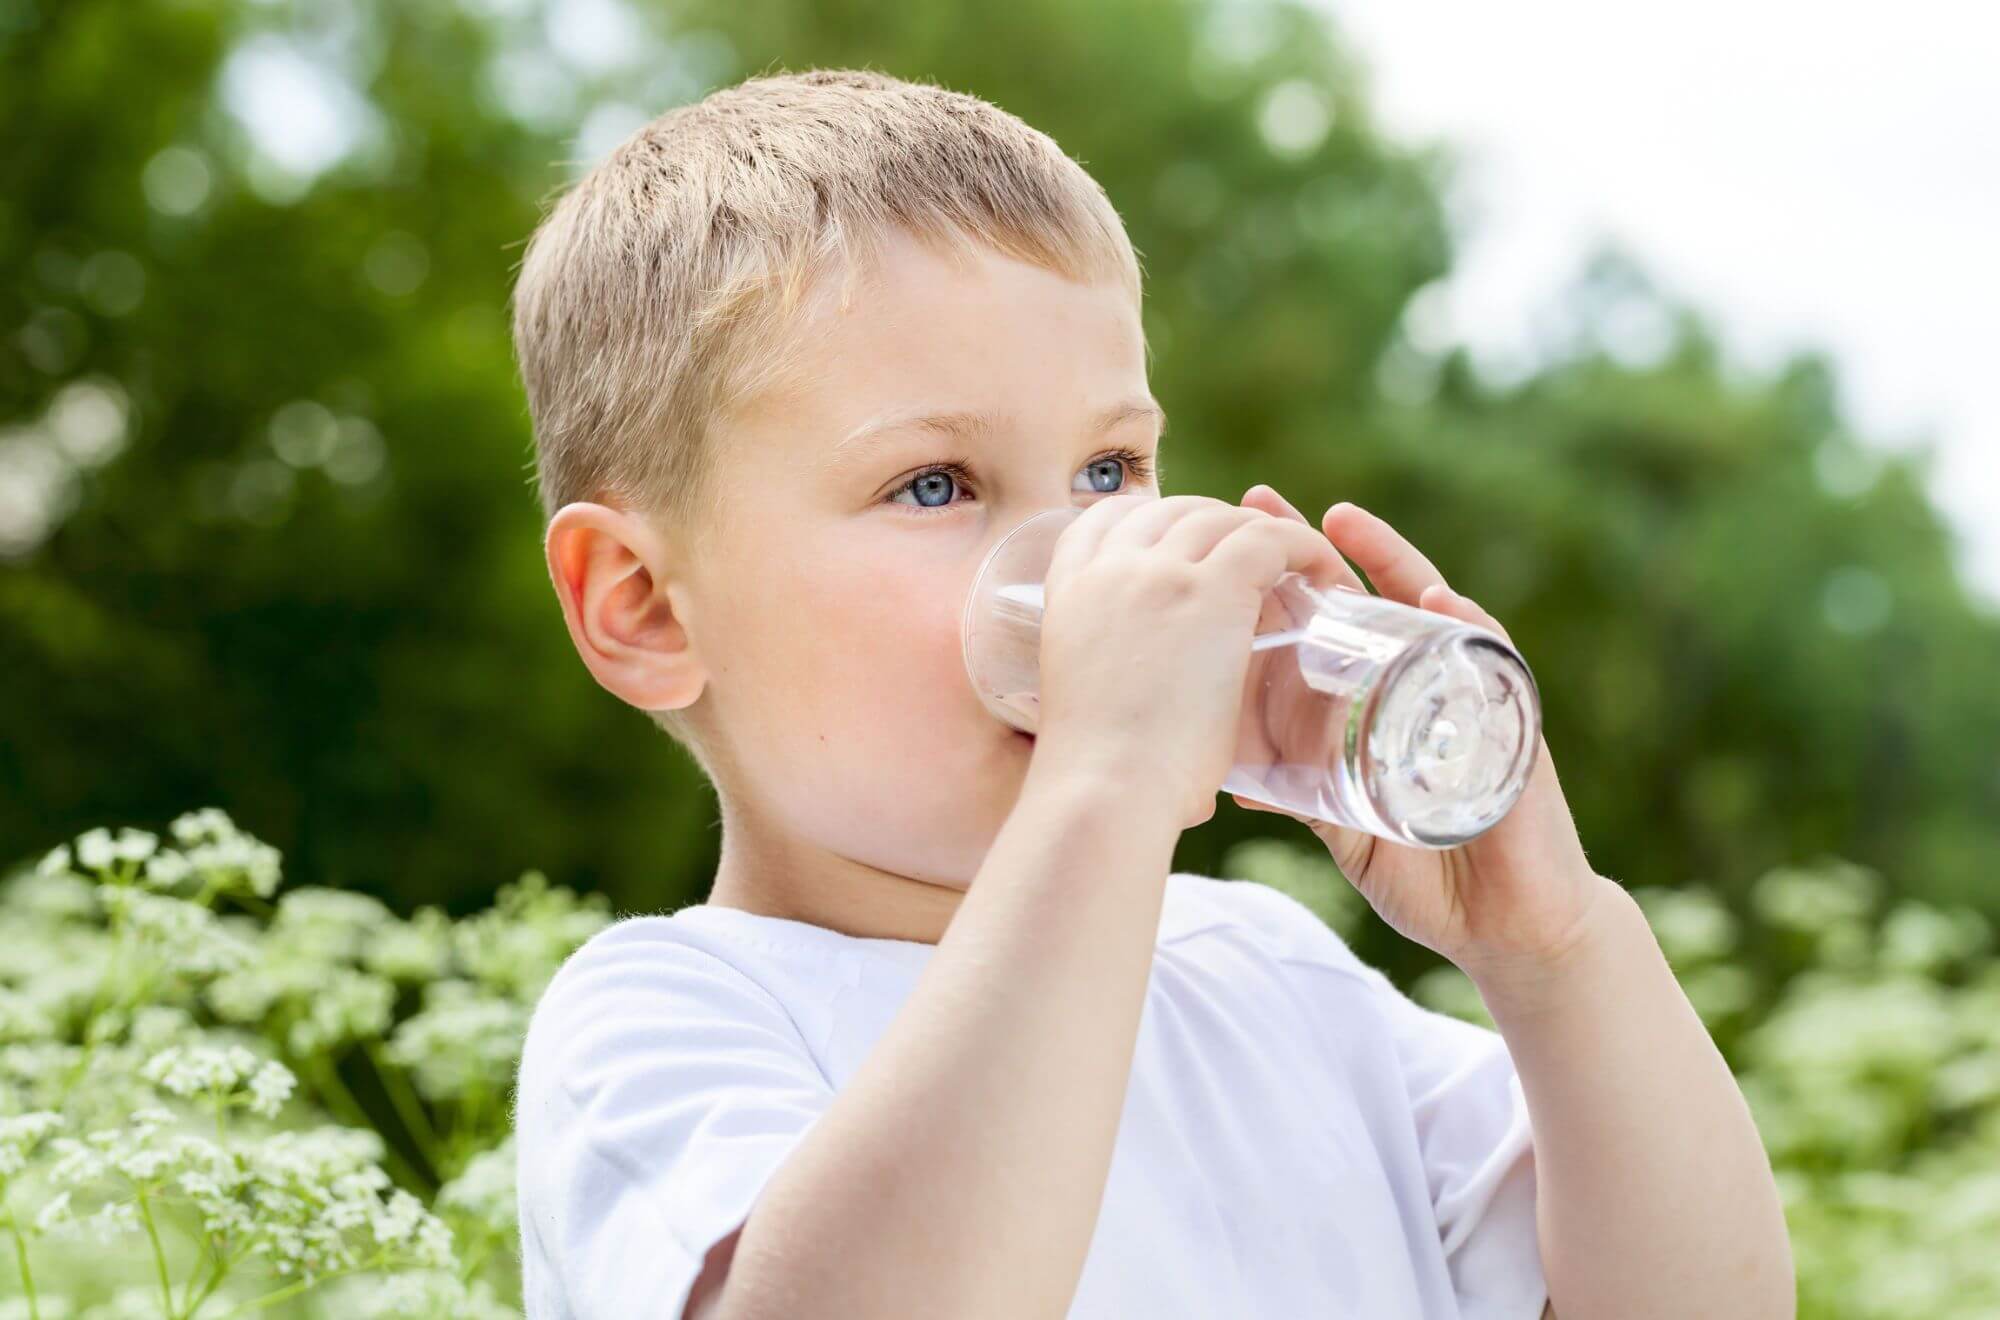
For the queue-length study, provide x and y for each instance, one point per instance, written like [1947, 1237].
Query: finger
[1159, 516]
[1443, 600]
[1271, 502]
[1250, 804]
[1348, 847]
[1397, 568]
[1264, 549]
[1196, 534]
[1081, 540]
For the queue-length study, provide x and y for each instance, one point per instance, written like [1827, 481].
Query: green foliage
[178, 1067]
[267, 540]
[181, 1134]
[279, 548]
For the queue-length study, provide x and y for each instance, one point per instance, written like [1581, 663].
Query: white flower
[1811, 900]
[56, 862]
[333, 925]
[412, 951]
[206, 823]
[239, 858]
[1690, 922]
[53, 1215]
[77, 1162]
[156, 1026]
[485, 1190]
[349, 1005]
[22, 1019]
[1840, 1033]
[53, 895]
[185, 1070]
[424, 1295]
[1917, 937]
[114, 1219]
[398, 1220]
[164, 870]
[190, 936]
[94, 849]
[135, 845]
[21, 1135]
[270, 1087]
[516, 945]
[461, 1040]
[403, 1222]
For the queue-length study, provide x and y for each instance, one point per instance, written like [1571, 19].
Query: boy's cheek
[859, 720]
[856, 643]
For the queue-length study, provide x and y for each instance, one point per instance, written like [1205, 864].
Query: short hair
[654, 294]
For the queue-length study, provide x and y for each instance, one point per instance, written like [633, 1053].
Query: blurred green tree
[264, 483]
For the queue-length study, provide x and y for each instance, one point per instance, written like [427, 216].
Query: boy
[948, 1037]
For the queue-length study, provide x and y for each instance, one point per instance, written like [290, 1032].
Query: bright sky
[1808, 173]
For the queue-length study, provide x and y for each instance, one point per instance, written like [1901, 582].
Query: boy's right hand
[1150, 603]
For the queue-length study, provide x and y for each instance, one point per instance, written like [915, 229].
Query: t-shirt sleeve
[1471, 1119]
[659, 1089]
[1479, 1155]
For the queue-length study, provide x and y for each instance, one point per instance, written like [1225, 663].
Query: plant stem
[206, 1253]
[252, 902]
[27, 1278]
[159, 1256]
[118, 941]
[221, 1272]
[294, 1289]
[325, 1078]
[469, 1267]
[408, 1106]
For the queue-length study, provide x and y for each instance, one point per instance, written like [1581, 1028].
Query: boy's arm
[961, 1168]
[1654, 1196]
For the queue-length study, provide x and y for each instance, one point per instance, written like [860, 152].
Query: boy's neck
[845, 896]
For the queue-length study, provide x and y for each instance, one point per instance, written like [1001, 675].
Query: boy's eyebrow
[968, 425]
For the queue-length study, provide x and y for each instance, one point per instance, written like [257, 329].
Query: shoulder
[643, 957]
[656, 988]
[1201, 907]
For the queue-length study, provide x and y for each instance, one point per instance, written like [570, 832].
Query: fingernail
[1288, 505]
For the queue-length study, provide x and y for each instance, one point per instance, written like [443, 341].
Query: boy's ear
[625, 612]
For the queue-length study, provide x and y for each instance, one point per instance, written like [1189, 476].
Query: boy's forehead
[918, 332]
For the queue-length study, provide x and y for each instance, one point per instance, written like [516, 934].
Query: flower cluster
[484, 1193]
[310, 1203]
[225, 1074]
[461, 1040]
[516, 946]
[164, 1009]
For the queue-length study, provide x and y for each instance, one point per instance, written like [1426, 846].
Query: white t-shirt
[1299, 1139]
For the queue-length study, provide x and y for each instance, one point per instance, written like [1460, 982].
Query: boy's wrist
[1613, 925]
[1102, 777]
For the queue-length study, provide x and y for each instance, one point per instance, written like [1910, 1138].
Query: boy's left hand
[1520, 894]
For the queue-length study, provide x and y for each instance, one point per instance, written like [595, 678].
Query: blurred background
[267, 532]
[1666, 337]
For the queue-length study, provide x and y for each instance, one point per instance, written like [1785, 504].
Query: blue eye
[937, 478]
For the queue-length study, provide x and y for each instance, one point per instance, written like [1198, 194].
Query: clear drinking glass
[1360, 711]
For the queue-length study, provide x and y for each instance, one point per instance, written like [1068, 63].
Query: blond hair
[655, 294]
